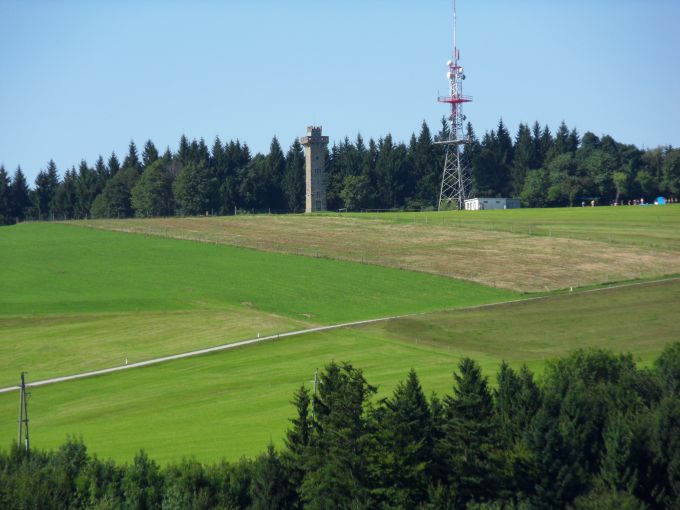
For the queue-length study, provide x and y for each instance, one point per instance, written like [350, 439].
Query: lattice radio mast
[455, 179]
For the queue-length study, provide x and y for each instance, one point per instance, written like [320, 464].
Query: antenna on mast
[455, 181]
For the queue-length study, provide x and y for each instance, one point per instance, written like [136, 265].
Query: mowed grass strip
[233, 403]
[75, 299]
[55, 345]
[524, 249]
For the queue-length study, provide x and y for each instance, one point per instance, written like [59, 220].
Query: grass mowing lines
[524, 249]
[76, 299]
[233, 403]
[55, 345]
[61, 269]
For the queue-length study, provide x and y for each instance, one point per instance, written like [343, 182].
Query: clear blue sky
[82, 78]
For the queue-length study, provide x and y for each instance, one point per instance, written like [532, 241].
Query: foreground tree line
[541, 168]
[595, 432]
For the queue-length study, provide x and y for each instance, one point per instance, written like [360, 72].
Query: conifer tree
[132, 159]
[150, 153]
[403, 449]
[46, 184]
[470, 444]
[113, 165]
[5, 200]
[294, 178]
[19, 196]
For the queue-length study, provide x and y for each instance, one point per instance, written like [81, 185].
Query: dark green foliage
[5, 198]
[269, 489]
[46, 184]
[596, 433]
[195, 190]
[294, 178]
[667, 368]
[115, 201]
[65, 202]
[402, 449]
[19, 196]
[541, 169]
[336, 470]
[132, 159]
[471, 444]
[152, 195]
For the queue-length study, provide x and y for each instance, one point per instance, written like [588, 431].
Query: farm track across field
[289, 334]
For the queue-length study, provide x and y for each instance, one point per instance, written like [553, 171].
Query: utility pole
[23, 415]
[316, 382]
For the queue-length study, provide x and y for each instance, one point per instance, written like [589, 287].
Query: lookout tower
[315, 157]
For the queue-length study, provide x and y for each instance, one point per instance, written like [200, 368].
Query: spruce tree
[294, 178]
[132, 159]
[19, 196]
[150, 153]
[46, 184]
[403, 446]
[470, 444]
[336, 467]
[113, 165]
[5, 199]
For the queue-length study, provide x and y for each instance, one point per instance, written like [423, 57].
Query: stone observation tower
[315, 157]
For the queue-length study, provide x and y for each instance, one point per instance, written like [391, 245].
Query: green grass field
[75, 299]
[523, 249]
[233, 403]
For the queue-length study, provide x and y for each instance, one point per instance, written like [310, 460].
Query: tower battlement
[315, 161]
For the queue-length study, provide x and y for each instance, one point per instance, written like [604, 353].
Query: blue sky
[82, 78]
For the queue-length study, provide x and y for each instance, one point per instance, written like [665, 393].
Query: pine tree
[19, 196]
[150, 153]
[132, 159]
[64, 204]
[183, 152]
[5, 198]
[335, 467]
[113, 165]
[470, 444]
[270, 489]
[276, 166]
[403, 449]
[87, 189]
[294, 178]
[46, 184]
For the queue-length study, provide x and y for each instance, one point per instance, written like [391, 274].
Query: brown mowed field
[510, 255]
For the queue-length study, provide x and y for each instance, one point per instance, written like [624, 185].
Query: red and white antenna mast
[455, 180]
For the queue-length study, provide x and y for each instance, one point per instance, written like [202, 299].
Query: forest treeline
[593, 432]
[540, 168]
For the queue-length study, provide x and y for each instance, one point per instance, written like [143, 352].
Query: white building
[477, 204]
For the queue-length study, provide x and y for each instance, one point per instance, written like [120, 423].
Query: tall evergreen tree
[64, 204]
[470, 443]
[87, 189]
[294, 178]
[132, 158]
[403, 449]
[46, 184]
[19, 196]
[150, 153]
[336, 468]
[113, 165]
[5, 198]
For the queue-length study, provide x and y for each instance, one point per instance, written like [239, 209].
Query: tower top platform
[313, 136]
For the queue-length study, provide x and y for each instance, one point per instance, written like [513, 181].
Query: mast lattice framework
[455, 178]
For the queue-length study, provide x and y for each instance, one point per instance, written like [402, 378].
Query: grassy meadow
[233, 403]
[534, 250]
[75, 299]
